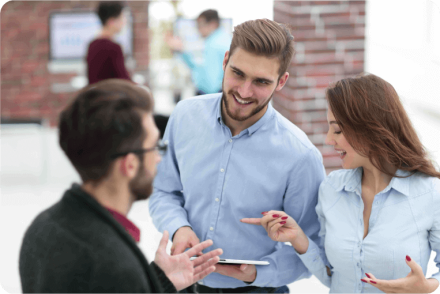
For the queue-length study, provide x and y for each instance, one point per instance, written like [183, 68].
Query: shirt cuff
[264, 276]
[312, 258]
[175, 225]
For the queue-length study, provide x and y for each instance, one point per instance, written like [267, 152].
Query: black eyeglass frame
[161, 146]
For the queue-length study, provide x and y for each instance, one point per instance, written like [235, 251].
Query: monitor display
[71, 33]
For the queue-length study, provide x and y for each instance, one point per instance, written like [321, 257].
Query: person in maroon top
[105, 59]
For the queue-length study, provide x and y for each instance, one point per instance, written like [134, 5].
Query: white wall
[403, 47]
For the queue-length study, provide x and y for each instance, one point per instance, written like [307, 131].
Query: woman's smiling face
[350, 158]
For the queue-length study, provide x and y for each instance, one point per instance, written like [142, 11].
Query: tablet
[239, 261]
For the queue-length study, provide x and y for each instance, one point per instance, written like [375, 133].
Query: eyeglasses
[161, 147]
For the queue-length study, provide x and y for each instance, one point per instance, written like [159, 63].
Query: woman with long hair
[380, 214]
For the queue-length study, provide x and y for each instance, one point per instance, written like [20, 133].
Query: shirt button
[358, 264]
[211, 229]
[217, 200]
[230, 140]
[222, 170]
[200, 282]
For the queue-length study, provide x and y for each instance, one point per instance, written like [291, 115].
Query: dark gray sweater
[77, 246]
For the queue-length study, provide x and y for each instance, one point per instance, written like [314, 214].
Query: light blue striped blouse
[405, 220]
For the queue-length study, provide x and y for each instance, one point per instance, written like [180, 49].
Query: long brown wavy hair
[374, 122]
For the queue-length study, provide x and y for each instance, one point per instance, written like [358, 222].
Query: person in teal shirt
[207, 74]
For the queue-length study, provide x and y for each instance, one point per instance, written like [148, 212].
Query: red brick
[31, 66]
[28, 96]
[319, 58]
[38, 81]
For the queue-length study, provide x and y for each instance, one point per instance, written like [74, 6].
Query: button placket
[220, 187]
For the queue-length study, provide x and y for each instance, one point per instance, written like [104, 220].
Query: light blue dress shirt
[208, 74]
[405, 220]
[209, 180]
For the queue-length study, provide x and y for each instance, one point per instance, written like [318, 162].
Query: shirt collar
[399, 184]
[253, 128]
[127, 224]
[354, 180]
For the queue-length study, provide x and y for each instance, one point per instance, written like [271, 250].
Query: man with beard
[85, 243]
[233, 155]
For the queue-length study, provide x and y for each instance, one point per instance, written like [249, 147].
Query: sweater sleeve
[119, 65]
[166, 284]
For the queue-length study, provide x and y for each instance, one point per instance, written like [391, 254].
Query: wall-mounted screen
[71, 33]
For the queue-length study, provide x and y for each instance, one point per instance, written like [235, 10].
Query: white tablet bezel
[239, 261]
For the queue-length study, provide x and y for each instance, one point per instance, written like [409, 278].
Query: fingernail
[373, 282]
[364, 281]
[275, 215]
[285, 217]
[408, 258]
[264, 212]
[282, 223]
[368, 276]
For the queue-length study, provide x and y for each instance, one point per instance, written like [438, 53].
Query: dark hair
[105, 118]
[374, 122]
[267, 38]
[210, 15]
[108, 10]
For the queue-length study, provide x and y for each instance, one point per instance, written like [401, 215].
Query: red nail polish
[276, 215]
[368, 276]
[364, 281]
[264, 212]
[285, 217]
[282, 223]
[373, 282]
[408, 258]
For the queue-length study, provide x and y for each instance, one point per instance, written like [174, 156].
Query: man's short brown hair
[105, 118]
[210, 15]
[267, 38]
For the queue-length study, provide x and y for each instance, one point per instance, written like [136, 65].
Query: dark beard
[141, 186]
[239, 118]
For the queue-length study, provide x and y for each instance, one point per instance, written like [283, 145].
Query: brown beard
[236, 117]
[141, 186]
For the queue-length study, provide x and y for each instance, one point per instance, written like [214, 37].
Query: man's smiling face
[249, 83]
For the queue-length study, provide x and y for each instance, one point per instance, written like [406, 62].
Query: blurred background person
[105, 59]
[207, 75]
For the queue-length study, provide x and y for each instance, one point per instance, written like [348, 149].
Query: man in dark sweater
[85, 243]
[105, 59]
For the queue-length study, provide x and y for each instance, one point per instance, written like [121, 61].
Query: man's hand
[174, 43]
[181, 271]
[183, 238]
[243, 272]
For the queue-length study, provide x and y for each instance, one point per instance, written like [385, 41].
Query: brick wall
[25, 79]
[330, 42]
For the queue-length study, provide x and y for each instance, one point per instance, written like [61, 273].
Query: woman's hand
[414, 282]
[282, 228]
